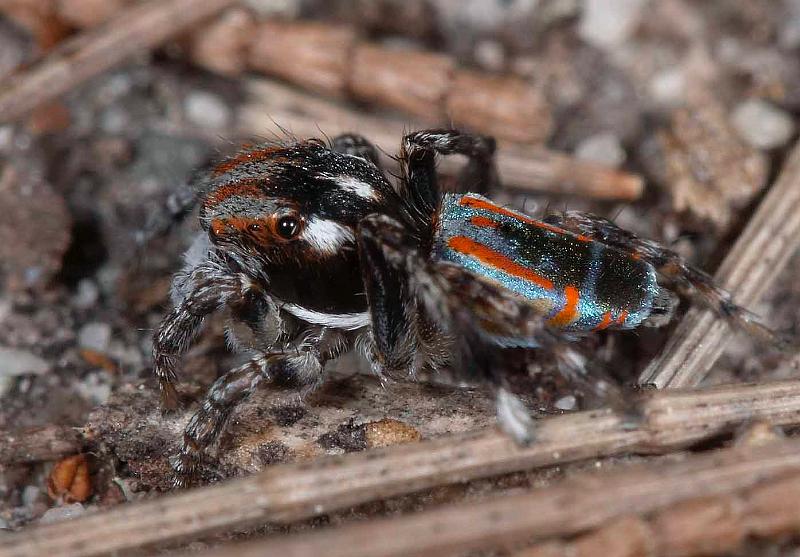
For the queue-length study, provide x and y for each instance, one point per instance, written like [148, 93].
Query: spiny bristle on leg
[514, 418]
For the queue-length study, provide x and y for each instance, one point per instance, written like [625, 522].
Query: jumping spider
[311, 248]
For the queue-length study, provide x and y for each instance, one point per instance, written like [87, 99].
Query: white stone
[207, 110]
[86, 295]
[95, 336]
[668, 87]
[608, 23]
[566, 402]
[762, 125]
[603, 148]
[15, 362]
[57, 514]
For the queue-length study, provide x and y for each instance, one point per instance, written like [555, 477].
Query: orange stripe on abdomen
[474, 203]
[604, 324]
[570, 311]
[483, 222]
[497, 260]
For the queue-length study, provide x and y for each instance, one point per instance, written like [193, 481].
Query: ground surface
[700, 98]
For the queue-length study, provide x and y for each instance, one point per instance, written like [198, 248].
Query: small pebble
[762, 125]
[207, 110]
[30, 495]
[490, 55]
[86, 295]
[608, 23]
[603, 148]
[668, 87]
[95, 387]
[14, 362]
[57, 514]
[95, 336]
[566, 402]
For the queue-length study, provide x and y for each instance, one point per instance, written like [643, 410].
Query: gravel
[57, 514]
[15, 362]
[95, 336]
[604, 148]
[762, 125]
[609, 23]
[207, 110]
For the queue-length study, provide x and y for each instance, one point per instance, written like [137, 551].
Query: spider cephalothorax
[312, 249]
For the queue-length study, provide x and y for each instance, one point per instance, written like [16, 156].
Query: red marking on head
[604, 324]
[486, 255]
[257, 229]
[239, 189]
[582, 238]
[484, 222]
[635, 255]
[253, 155]
[622, 317]
[484, 205]
[569, 312]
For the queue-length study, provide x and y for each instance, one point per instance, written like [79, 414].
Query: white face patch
[326, 236]
[348, 321]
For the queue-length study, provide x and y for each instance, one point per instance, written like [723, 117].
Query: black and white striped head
[298, 201]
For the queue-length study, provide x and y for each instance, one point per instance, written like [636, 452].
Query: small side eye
[288, 227]
[254, 227]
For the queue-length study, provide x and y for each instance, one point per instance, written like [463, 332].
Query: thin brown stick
[39, 444]
[296, 491]
[274, 107]
[702, 526]
[571, 506]
[77, 59]
[753, 264]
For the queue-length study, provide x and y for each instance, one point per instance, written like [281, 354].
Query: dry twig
[296, 491]
[275, 107]
[703, 526]
[39, 444]
[582, 502]
[77, 59]
[755, 261]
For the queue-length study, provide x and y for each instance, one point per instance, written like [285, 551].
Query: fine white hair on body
[192, 257]
[348, 321]
[513, 417]
[353, 185]
[326, 236]
[358, 187]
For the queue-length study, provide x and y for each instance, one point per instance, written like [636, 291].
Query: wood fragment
[497, 104]
[708, 494]
[410, 80]
[757, 258]
[39, 444]
[313, 55]
[90, 53]
[274, 107]
[296, 491]
[703, 526]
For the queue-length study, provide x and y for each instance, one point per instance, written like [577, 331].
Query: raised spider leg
[210, 287]
[418, 164]
[697, 285]
[300, 367]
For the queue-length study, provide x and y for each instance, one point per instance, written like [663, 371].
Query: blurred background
[670, 116]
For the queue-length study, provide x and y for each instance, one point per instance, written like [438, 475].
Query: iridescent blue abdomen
[579, 284]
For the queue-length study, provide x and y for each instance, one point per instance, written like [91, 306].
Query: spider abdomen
[578, 283]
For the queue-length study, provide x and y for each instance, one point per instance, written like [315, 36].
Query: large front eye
[288, 227]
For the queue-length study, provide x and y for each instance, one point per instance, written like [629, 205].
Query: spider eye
[254, 227]
[288, 227]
